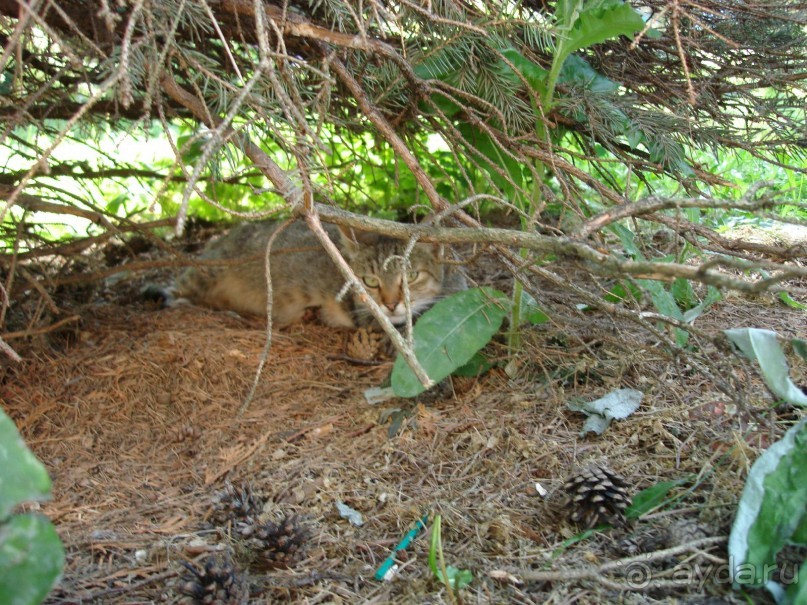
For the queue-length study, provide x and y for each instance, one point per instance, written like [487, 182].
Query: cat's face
[378, 262]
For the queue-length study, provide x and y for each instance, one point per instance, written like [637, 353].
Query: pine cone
[235, 504]
[275, 544]
[597, 495]
[364, 345]
[215, 584]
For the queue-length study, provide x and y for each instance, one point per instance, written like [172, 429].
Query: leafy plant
[31, 554]
[449, 334]
[763, 347]
[772, 511]
[452, 577]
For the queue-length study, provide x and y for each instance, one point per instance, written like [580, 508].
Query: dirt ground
[136, 416]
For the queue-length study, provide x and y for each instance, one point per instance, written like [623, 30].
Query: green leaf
[648, 499]
[22, 476]
[797, 591]
[623, 291]
[31, 559]
[531, 311]
[597, 22]
[791, 302]
[576, 70]
[459, 578]
[665, 304]
[712, 296]
[497, 161]
[194, 148]
[534, 74]
[628, 240]
[771, 508]
[434, 545]
[800, 347]
[683, 292]
[476, 366]
[456, 578]
[799, 537]
[762, 346]
[448, 335]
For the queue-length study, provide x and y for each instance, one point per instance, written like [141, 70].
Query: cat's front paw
[365, 344]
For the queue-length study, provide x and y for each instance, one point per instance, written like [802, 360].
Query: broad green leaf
[648, 499]
[598, 22]
[684, 294]
[800, 347]
[22, 476]
[762, 346]
[576, 70]
[771, 509]
[31, 559]
[448, 335]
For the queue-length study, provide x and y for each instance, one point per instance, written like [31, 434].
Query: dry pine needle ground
[137, 424]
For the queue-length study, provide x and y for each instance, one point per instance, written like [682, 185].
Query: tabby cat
[304, 277]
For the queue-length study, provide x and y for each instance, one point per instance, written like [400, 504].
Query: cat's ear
[350, 242]
[353, 239]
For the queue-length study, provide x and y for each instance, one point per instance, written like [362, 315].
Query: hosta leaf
[448, 335]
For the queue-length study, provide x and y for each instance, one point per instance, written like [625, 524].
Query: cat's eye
[371, 281]
[412, 276]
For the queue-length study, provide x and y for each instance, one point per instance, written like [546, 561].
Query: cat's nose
[391, 305]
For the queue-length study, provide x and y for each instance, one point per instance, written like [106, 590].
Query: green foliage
[31, 554]
[23, 477]
[449, 575]
[476, 366]
[650, 498]
[763, 347]
[448, 335]
[772, 511]
[584, 23]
